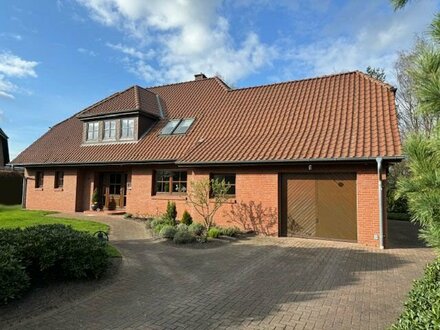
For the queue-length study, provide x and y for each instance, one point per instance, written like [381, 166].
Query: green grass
[15, 217]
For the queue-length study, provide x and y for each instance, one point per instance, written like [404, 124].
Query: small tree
[171, 211]
[186, 218]
[376, 73]
[207, 196]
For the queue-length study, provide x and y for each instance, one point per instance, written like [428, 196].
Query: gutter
[123, 163]
[380, 191]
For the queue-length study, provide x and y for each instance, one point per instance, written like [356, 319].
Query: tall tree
[377, 73]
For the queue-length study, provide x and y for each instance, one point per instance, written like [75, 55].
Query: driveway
[257, 283]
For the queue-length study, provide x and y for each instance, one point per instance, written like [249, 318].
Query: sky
[58, 57]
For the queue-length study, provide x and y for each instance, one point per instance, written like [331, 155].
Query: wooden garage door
[319, 205]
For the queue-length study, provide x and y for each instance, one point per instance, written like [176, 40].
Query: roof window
[177, 126]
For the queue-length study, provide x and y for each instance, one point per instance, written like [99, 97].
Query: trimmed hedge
[48, 252]
[422, 308]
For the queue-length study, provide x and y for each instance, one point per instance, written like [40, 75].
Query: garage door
[319, 205]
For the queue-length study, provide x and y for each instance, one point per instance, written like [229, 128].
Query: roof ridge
[222, 83]
[137, 100]
[296, 81]
[104, 100]
[179, 83]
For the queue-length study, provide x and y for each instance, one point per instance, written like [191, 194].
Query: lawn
[16, 217]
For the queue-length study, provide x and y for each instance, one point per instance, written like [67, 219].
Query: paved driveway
[259, 283]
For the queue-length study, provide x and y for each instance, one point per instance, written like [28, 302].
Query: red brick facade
[254, 207]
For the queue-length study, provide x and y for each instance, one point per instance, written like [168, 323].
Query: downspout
[380, 188]
[24, 190]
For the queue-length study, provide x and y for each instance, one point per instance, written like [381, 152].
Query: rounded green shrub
[158, 223]
[422, 308]
[213, 232]
[230, 231]
[196, 228]
[168, 231]
[186, 218]
[128, 215]
[183, 237]
[182, 227]
[14, 280]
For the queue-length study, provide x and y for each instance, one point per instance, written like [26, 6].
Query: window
[228, 178]
[115, 184]
[171, 182]
[184, 125]
[109, 130]
[59, 179]
[170, 126]
[92, 131]
[127, 128]
[39, 179]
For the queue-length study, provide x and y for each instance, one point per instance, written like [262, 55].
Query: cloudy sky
[57, 57]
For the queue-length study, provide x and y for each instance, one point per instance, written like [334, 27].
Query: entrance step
[104, 212]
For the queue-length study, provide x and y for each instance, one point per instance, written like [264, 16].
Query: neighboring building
[301, 156]
[4, 150]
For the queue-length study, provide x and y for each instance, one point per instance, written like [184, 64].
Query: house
[306, 157]
[4, 150]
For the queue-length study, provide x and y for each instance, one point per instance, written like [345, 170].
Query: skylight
[177, 126]
[170, 126]
[184, 125]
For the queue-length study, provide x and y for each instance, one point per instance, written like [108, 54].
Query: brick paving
[257, 283]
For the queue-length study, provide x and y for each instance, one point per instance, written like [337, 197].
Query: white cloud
[12, 66]
[185, 37]
[2, 116]
[11, 35]
[373, 42]
[86, 51]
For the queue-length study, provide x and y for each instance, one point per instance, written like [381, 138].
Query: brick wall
[48, 197]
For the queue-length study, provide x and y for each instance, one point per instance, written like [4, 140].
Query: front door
[114, 190]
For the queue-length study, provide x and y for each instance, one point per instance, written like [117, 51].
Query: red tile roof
[342, 116]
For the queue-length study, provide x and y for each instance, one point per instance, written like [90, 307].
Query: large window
[171, 182]
[127, 128]
[92, 131]
[228, 178]
[39, 179]
[59, 179]
[109, 130]
[177, 126]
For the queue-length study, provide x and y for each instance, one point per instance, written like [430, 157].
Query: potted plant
[95, 198]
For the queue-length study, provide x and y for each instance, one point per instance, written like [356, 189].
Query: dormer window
[109, 129]
[92, 131]
[127, 128]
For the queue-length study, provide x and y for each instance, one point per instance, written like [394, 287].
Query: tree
[422, 186]
[207, 196]
[376, 73]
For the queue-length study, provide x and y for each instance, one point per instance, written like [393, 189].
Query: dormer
[122, 117]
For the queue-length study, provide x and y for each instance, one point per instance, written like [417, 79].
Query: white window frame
[111, 128]
[129, 129]
[93, 127]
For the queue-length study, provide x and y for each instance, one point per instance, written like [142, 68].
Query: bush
[213, 232]
[230, 231]
[128, 215]
[158, 223]
[186, 218]
[182, 227]
[171, 211]
[168, 231]
[422, 308]
[183, 237]
[47, 252]
[196, 229]
[14, 280]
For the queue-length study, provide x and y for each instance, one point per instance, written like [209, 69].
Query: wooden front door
[114, 190]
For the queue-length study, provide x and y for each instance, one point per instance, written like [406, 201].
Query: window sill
[39, 189]
[168, 197]
[58, 189]
[229, 200]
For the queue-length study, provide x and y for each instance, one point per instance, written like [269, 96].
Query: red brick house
[303, 157]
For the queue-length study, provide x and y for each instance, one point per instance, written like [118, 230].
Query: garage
[319, 206]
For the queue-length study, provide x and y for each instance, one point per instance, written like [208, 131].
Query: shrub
[128, 215]
[183, 237]
[14, 280]
[422, 308]
[182, 227]
[186, 218]
[230, 231]
[171, 211]
[168, 231]
[213, 232]
[158, 223]
[196, 229]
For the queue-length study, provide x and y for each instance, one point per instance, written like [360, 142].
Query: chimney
[199, 76]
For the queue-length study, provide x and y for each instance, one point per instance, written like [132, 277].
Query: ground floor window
[59, 179]
[171, 182]
[229, 178]
[39, 179]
